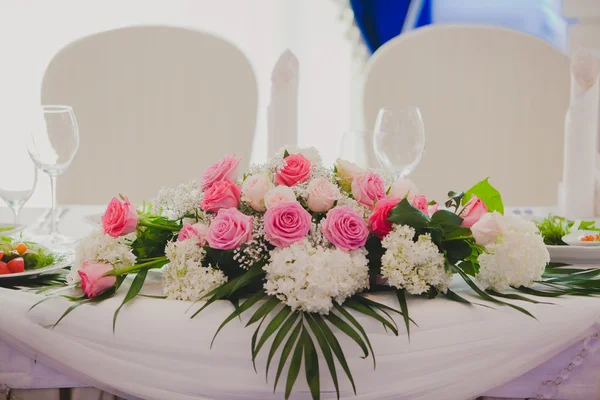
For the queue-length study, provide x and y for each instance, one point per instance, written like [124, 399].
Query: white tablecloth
[157, 352]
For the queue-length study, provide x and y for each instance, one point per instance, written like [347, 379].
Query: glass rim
[56, 108]
[400, 109]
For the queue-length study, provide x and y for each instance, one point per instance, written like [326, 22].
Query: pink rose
[345, 228]
[472, 212]
[286, 223]
[222, 194]
[488, 228]
[225, 168]
[93, 281]
[322, 194]
[378, 221]
[229, 230]
[279, 194]
[420, 202]
[254, 189]
[196, 231]
[296, 169]
[402, 188]
[367, 188]
[120, 218]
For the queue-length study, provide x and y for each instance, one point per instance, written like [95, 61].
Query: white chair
[493, 102]
[155, 106]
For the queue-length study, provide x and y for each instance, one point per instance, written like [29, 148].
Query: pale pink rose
[322, 194]
[93, 281]
[222, 194]
[488, 228]
[254, 189]
[286, 223]
[195, 231]
[225, 168]
[345, 228]
[229, 230]
[367, 188]
[472, 212]
[278, 195]
[296, 169]
[433, 209]
[120, 218]
[402, 188]
[378, 221]
[345, 172]
[420, 202]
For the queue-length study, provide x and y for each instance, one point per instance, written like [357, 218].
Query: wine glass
[53, 143]
[399, 140]
[18, 178]
[357, 147]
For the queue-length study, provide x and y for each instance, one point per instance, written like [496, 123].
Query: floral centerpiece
[296, 244]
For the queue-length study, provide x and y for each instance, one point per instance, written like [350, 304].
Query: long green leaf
[294, 367]
[134, 290]
[285, 352]
[455, 297]
[263, 310]
[250, 301]
[253, 342]
[325, 349]
[380, 306]
[349, 331]
[311, 364]
[74, 306]
[404, 307]
[279, 338]
[515, 296]
[368, 311]
[270, 329]
[358, 326]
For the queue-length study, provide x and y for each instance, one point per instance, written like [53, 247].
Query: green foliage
[286, 154]
[553, 228]
[153, 233]
[488, 194]
[406, 214]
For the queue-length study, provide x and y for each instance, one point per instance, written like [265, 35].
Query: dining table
[455, 351]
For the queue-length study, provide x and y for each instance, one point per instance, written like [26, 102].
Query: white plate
[10, 232]
[575, 254]
[66, 254]
[94, 219]
[572, 239]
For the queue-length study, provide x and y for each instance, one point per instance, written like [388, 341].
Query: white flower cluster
[176, 202]
[103, 248]
[185, 278]
[256, 249]
[365, 212]
[310, 278]
[516, 258]
[414, 266]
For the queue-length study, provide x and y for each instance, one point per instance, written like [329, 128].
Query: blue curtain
[382, 20]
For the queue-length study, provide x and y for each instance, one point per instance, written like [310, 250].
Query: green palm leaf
[311, 364]
[359, 327]
[134, 290]
[286, 352]
[279, 338]
[325, 349]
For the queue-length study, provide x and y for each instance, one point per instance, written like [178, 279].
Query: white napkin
[577, 192]
[282, 112]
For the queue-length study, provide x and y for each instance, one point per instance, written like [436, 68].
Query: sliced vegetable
[3, 268]
[16, 265]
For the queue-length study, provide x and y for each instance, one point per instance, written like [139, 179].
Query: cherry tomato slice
[16, 265]
[3, 268]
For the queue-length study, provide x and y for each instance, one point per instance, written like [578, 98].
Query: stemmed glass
[18, 177]
[399, 140]
[52, 146]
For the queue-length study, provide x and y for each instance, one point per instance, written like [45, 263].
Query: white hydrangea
[414, 266]
[176, 202]
[310, 278]
[100, 247]
[184, 277]
[516, 258]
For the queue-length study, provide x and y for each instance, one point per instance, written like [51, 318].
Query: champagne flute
[52, 146]
[18, 179]
[399, 140]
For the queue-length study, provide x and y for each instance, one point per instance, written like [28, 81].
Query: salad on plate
[17, 256]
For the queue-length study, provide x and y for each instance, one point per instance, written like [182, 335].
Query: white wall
[32, 31]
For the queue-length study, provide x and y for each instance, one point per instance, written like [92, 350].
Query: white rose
[487, 229]
[254, 189]
[322, 194]
[402, 188]
[346, 171]
[279, 194]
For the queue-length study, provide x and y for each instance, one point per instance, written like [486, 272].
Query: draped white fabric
[158, 352]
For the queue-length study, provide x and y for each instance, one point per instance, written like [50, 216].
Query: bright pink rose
[93, 281]
[222, 194]
[420, 202]
[225, 168]
[120, 218]
[196, 231]
[367, 188]
[345, 228]
[472, 212]
[286, 223]
[378, 221]
[296, 169]
[229, 230]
